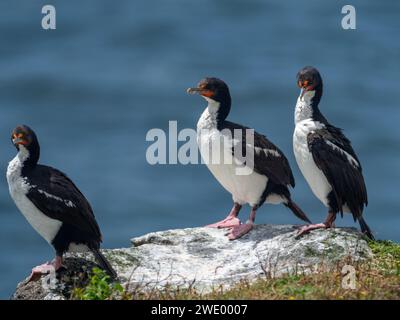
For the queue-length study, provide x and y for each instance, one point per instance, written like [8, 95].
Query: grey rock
[58, 286]
[204, 258]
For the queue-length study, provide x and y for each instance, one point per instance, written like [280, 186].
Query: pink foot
[228, 222]
[45, 268]
[306, 229]
[240, 230]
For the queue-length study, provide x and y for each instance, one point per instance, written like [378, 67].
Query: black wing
[268, 159]
[57, 196]
[334, 155]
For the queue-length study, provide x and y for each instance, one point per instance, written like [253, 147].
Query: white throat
[303, 110]
[208, 119]
[14, 169]
[23, 154]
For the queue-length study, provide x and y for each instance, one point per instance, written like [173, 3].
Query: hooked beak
[193, 90]
[17, 140]
[203, 92]
[302, 92]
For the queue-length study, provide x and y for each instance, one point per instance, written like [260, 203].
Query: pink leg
[230, 221]
[306, 229]
[45, 268]
[329, 223]
[240, 230]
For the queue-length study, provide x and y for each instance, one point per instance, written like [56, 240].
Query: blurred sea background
[112, 70]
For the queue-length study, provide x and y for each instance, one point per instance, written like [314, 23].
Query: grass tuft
[100, 287]
[378, 278]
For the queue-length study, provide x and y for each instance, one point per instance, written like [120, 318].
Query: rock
[59, 286]
[204, 258]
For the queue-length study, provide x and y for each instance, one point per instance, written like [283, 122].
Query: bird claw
[239, 231]
[226, 223]
[302, 230]
[45, 268]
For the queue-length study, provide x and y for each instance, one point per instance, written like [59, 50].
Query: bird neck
[307, 106]
[28, 158]
[217, 112]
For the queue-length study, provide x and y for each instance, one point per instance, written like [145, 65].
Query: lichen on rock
[206, 259]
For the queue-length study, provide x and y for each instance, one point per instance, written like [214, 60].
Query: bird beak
[17, 140]
[203, 92]
[193, 90]
[303, 85]
[302, 92]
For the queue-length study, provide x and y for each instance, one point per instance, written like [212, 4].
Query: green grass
[387, 256]
[378, 278]
[100, 287]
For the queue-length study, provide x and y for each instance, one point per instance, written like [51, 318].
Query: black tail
[297, 211]
[365, 229]
[104, 264]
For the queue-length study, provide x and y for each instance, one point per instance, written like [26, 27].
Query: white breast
[19, 187]
[221, 163]
[314, 176]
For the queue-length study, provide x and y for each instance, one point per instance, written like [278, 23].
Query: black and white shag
[325, 156]
[52, 204]
[269, 175]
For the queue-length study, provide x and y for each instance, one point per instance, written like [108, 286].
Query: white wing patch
[68, 203]
[350, 159]
[267, 152]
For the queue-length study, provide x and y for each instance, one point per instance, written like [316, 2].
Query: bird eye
[18, 135]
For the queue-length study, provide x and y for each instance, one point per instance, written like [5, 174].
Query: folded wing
[260, 153]
[333, 154]
[56, 195]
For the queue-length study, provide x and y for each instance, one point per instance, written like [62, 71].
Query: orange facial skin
[207, 93]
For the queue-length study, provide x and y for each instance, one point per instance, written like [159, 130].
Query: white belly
[44, 225]
[244, 188]
[18, 188]
[313, 175]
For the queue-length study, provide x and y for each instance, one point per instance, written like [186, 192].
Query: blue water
[115, 69]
